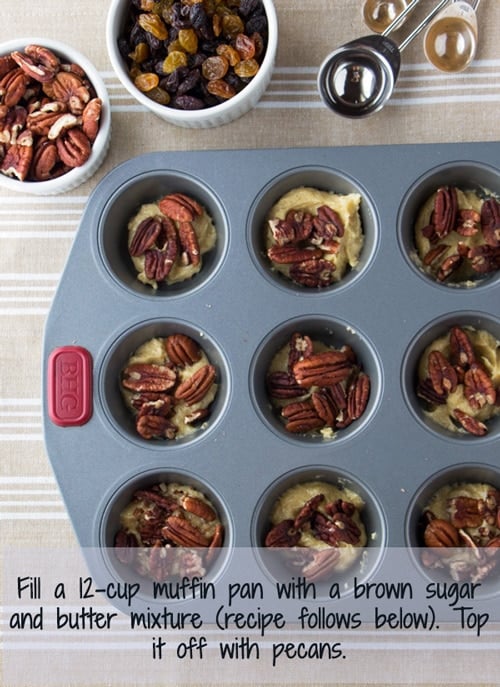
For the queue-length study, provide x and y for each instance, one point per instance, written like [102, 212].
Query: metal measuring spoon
[358, 78]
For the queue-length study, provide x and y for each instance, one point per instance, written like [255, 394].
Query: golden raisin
[173, 61]
[232, 25]
[159, 95]
[246, 68]
[215, 67]
[154, 25]
[188, 40]
[140, 53]
[221, 88]
[230, 53]
[146, 82]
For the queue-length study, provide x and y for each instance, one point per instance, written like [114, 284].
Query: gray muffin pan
[241, 313]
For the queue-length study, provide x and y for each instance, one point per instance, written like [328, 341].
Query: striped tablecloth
[36, 233]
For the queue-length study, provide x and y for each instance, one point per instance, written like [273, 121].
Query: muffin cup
[120, 417]
[414, 521]
[78, 175]
[107, 524]
[149, 187]
[323, 179]
[464, 174]
[271, 560]
[409, 377]
[331, 332]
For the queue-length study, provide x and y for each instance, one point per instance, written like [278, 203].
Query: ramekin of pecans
[55, 123]
[194, 63]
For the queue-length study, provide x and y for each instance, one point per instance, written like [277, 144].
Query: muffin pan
[241, 313]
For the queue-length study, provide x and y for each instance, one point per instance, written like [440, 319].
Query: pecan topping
[183, 533]
[339, 528]
[305, 244]
[315, 273]
[283, 385]
[445, 211]
[283, 534]
[322, 369]
[145, 235]
[490, 222]
[442, 374]
[195, 388]
[182, 349]
[308, 509]
[478, 387]
[284, 255]
[357, 396]
[196, 506]
[189, 242]
[468, 222]
[469, 423]
[125, 543]
[301, 417]
[149, 377]
[461, 349]
[322, 564]
[466, 512]
[316, 390]
[180, 207]
[485, 258]
[441, 533]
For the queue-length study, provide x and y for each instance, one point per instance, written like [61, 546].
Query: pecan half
[70, 88]
[18, 158]
[445, 211]
[358, 394]
[180, 207]
[322, 369]
[13, 87]
[490, 222]
[327, 225]
[468, 222]
[182, 349]
[74, 147]
[315, 273]
[301, 417]
[465, 512]
[91, 117]
[442, 374]
[306, 512]
[37, 62]
[291, 253]
[323, 563]
[441, 533]
[282, 385]
[183, 533]
[301, 346]
[155, 423]
[189, 243]
[145, 236]
[283, 534]
[196, 506]
[195, 388]
[478, 387]
[340, 528]
[124, 546]
[149, 377]
[325, 406]
[469, 423]
[461, 349]
[484, 258]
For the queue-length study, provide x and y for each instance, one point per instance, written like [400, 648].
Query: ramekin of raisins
[194, 63]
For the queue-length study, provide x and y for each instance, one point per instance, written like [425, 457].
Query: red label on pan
[70, 386]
